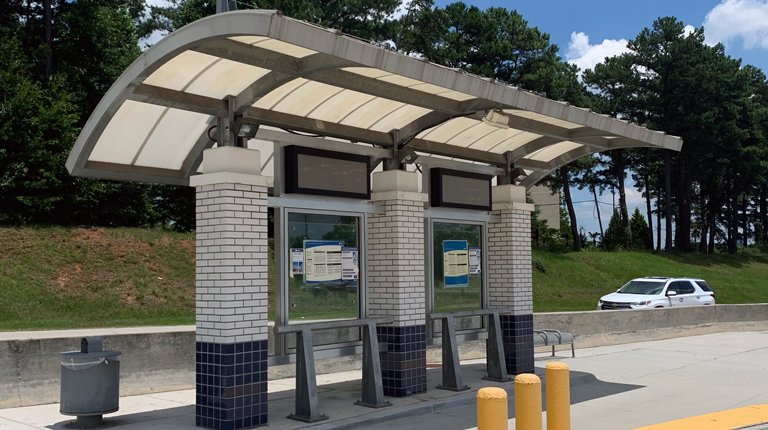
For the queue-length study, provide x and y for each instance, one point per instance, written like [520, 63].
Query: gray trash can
[90, 383]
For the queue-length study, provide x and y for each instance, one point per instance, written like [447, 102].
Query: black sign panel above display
[457, 189]
[326, 173]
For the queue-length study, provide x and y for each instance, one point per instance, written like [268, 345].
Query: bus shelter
[396, 188]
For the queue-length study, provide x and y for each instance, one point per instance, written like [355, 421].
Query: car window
[642, 287]
[681, 287]
[703, 285]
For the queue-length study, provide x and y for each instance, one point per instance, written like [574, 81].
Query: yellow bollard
[558, 396]
[492, 409]
[527, 402]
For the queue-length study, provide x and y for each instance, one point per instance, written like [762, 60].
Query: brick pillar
[396, 280]
[510, 282]
[231, 290]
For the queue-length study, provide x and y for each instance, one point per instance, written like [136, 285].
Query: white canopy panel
[259, 67]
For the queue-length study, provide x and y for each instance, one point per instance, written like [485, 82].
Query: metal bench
[495, 362]
[547, 337]
[307, 404]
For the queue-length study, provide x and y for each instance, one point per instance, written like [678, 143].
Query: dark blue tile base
[231, 385]
[517, 336]
[404, 364]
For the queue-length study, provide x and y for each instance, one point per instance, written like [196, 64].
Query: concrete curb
[434, 407]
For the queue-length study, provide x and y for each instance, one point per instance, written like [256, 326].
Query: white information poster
[350, 271]
[297, 261]
[455, 264]
[322, 261]
[474, 261]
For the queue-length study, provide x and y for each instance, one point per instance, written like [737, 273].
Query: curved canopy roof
[262, 67]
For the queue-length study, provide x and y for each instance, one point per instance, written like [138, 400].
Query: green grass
[575, 281]
[57, 278]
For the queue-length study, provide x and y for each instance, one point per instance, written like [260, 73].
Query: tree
[495, 43]
[639, 231]
[37, 127]
[616, 236]
[366, 19]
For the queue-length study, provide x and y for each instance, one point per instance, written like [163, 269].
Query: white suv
[656, 292]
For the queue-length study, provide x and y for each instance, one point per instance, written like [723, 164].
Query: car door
[677, 300]
[673, 301]
[686, 293]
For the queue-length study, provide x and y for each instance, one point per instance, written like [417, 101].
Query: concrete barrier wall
[600, 328]
[157, 359]
[154, 359]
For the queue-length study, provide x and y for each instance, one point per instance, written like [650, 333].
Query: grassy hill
[54, 277]
[575, 281]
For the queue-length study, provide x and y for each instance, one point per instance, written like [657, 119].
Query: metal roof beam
[308, 125]
[458, 152]
[560, 133]
[316, 142]
[180, 100]
[533, 164]
[531, 147]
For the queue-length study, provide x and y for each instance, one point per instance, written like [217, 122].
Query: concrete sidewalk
[612, 388]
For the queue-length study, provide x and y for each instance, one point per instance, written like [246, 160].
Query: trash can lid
[97, 354]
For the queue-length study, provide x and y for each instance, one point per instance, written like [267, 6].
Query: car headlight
[646, 303]
[600, 302]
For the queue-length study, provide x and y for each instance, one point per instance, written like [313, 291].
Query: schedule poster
[474, 261]
[455, 264]
[322, 261]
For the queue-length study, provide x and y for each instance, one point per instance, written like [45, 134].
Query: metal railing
[496, 365]
[307, 403]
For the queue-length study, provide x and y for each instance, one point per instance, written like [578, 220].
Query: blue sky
[586, 31]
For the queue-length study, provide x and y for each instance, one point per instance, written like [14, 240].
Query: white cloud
[745, 19]
[633, 196]
[689, 29]
[586, 56]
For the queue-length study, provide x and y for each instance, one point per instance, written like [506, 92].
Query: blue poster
[455, 264]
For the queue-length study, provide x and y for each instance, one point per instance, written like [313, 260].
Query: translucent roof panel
[274, 45]
[409, 83]
[178, 129]
[551, 152]
[205, 75]
[263, 68]
[126, 132]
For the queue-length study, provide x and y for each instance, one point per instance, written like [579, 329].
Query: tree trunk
[745, 220]
[704, 224]
[599, 219]
[685, 208]
[733, 226]
[763, 216]
[569, 204]
[620, 176]
[658, 219]
[668, 200]
[712, 226]
[648, 210]
[48, 38]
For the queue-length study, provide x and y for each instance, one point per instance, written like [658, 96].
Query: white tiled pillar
[396, 284]
[510, 279]
[231, 289]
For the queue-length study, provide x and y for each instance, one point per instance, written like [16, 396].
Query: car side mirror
[671, 293]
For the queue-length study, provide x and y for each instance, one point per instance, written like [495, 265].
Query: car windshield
[648, 288]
